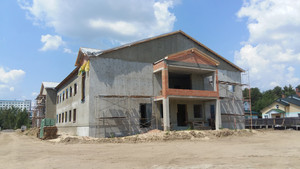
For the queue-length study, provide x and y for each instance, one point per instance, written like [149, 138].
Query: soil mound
[32, 131]
[156, 135]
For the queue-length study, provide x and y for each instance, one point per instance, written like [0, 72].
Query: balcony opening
[179, 81]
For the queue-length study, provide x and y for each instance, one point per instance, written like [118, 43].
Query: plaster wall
[117, 88]
[50, 103]
[152, 51]
[74, 102]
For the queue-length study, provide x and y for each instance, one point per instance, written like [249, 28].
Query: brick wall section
[165, 80]
[185, 92]
[158, 66]
[217, 83]
[191, 57]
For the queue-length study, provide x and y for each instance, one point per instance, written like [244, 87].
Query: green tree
[288, 90]
[278, 91]
[12, 118]
[22, 118]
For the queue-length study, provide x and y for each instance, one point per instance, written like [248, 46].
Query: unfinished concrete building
[169, 82]
[45, 103]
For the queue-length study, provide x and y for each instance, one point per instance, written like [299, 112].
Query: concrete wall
[157, 84]
[157, 49]
[119, 116]
[231, 104]
[231, 77]
[81, 125]
[50, 104]
[197, 82]
[118, 80]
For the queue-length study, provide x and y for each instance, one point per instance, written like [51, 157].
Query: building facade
[283, 107]
[22, 104]
[45, 103]
[169, 82]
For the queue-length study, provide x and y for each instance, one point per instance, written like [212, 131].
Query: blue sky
[39, 40]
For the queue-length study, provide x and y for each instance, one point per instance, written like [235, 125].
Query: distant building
[22, 104]
[45, 103]
[283, 107]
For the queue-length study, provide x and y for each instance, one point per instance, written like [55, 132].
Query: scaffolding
[231, 103]
[246, 78]
[117, 116]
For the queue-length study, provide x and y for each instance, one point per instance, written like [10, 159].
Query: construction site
[168, 82]
[156, 149]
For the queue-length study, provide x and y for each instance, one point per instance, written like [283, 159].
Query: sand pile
[156, 135]
[32, 131]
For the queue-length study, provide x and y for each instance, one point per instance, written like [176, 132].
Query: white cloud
[9, 79]
[90, 20]
[51, 42]
[10, 76]
[67, 50]
[271, 53]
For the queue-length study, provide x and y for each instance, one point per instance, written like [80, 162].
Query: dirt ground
[258, 149]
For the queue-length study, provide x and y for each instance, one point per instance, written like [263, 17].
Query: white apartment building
[22, 104]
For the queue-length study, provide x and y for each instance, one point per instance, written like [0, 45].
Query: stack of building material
[48, 129]
[50, 132]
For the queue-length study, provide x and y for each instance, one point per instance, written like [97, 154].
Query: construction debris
[155, 135]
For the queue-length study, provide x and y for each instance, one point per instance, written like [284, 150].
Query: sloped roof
[97, 52]
[47, 85]
[292, 100]
[289, 100]
[285, 103]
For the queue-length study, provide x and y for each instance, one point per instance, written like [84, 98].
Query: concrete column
[218, 115]
[166, 114]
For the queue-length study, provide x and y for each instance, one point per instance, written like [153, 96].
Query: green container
[44, 123]
[49, 122]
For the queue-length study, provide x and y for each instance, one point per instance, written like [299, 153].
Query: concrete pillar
[166, 114]
[218, 115]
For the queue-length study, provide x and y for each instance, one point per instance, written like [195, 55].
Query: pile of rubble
[156, 135]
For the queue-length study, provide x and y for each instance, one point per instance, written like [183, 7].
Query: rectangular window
[198, 111]
[67, 94]
[75, 89]
[70, 115]
[66, 117]
[59, 118]
[231, 88]
[63, 95]
[70, 91]
[62, 117]
[74, 115]
[83, 87]
[60, 98]
[145, 115]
